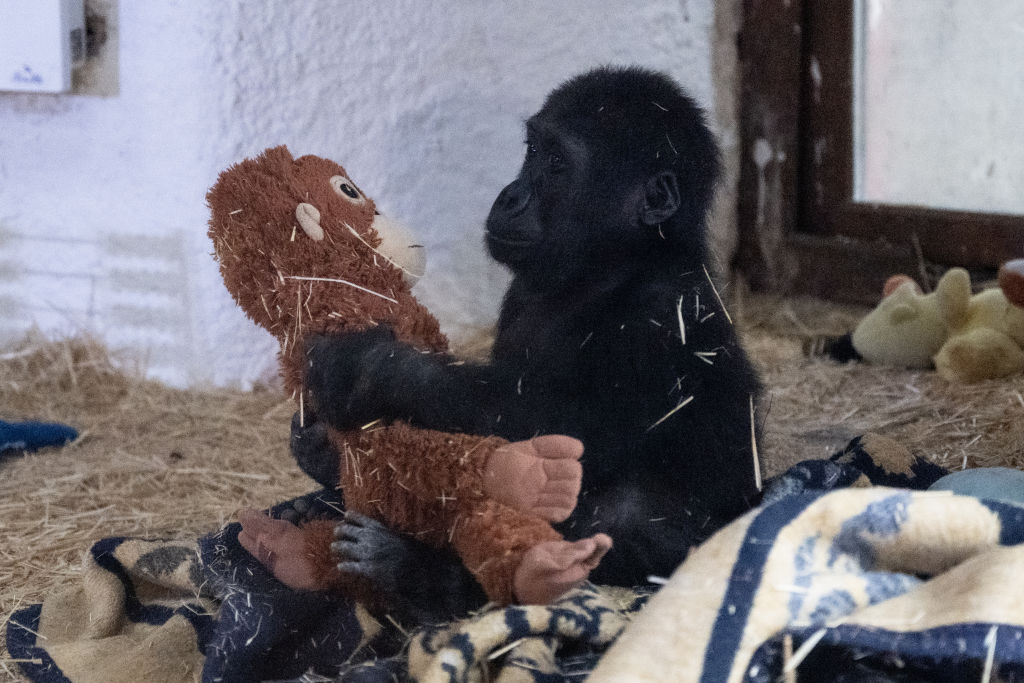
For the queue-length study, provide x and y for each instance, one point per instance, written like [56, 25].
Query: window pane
[939, 111]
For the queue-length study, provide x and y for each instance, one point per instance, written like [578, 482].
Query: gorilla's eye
[531, 149]
[344, 187]
[555, 161]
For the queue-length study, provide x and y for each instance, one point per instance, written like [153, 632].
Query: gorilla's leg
[653, 528]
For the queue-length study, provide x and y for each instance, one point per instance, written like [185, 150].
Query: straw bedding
[159, 462]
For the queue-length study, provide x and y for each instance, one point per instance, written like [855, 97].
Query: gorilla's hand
[422, 584]
[344, 372]
[313, 450]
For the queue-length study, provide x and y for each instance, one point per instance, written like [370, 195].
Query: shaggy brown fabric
[418, 481]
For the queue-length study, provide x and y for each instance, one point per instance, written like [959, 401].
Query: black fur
[419, 583]
[842, 349]
[309, 444]
[604, 231]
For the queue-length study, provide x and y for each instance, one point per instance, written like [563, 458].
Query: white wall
[102, 215]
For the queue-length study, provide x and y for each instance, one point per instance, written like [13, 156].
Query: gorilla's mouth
[514, 242]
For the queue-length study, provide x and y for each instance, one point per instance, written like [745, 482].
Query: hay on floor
[159, 462]
[815, 405]
[151, 461]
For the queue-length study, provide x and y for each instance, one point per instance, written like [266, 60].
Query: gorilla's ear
[661, 198]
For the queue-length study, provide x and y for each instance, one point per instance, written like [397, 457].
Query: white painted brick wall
[423, 103]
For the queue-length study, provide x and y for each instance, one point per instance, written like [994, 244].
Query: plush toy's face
[905, 330]
[300, 245]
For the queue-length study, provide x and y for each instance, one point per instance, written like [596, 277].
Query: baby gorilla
[611, 332]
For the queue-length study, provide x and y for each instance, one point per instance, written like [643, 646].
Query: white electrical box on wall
[40, 42]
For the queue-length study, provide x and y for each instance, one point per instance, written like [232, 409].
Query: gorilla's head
[618, 161]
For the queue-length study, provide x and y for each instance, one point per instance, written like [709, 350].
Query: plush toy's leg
[290, 553]
[541, 476]
[977, 355]
[517, 557]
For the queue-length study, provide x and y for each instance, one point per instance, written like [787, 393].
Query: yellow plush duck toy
[968, 338]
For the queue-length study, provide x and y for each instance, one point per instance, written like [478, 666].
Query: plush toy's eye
[344, 187]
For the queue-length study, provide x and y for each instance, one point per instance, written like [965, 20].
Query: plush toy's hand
[313, 450]
[342, 370]
[551, 568]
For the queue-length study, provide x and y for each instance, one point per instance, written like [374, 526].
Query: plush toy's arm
[355, 379]
[436, 468]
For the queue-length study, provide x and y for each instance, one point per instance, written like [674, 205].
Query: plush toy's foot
[280, 546]
[551, 568]
[977, 355]
[541, 476]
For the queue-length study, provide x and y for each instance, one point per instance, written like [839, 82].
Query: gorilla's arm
[355, 379]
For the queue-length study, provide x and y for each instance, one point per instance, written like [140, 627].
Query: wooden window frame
[800, 230]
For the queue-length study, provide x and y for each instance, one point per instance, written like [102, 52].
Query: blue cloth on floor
[31, 436]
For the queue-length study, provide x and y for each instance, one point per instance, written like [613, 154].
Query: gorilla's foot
[551, 568]
[280, 546]
[541, 476]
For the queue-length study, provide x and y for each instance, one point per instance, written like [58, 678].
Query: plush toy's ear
[952, 295]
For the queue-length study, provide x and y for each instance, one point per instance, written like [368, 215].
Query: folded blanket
[153, 610]
[862, 584]
[868, 576]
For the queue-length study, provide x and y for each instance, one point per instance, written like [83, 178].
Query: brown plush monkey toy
[303, 251]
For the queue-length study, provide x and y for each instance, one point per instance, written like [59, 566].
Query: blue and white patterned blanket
[831, 577]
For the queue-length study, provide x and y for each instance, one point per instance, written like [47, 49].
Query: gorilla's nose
[514, 199]
[308, 217]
